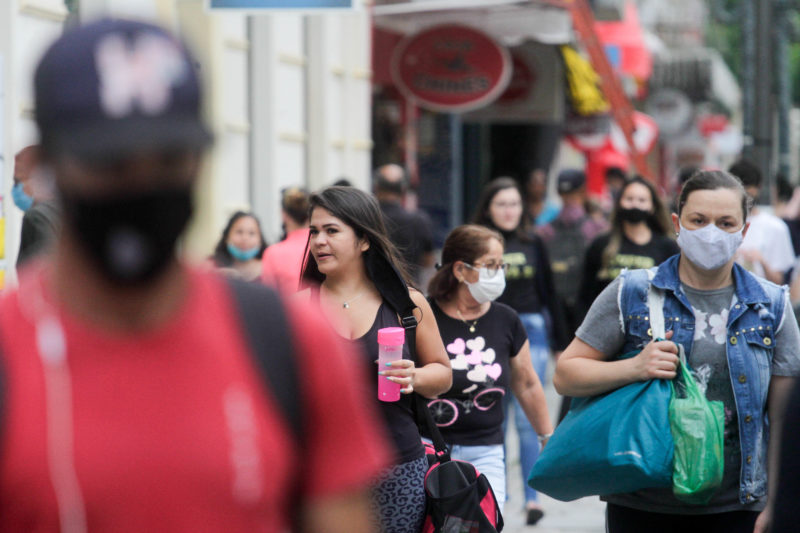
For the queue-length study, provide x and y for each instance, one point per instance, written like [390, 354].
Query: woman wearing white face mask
[489, 353]
[737, 329]
[529, 292]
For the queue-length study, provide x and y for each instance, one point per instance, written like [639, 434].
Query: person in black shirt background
[639, 238]
[409, 231]
[530, 292]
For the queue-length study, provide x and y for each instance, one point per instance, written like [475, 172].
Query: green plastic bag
[698, 429]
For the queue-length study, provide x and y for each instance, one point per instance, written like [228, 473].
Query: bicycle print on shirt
[473, 357]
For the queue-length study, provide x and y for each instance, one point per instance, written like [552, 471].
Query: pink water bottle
[390, 348]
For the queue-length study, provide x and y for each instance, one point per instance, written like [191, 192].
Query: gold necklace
[471, 326]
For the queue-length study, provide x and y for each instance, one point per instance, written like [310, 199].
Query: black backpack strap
[422, 414]
[267, 331]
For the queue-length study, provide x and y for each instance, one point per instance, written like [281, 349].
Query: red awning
[624, 41]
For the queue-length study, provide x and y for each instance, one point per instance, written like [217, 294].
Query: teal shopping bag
[612, 443]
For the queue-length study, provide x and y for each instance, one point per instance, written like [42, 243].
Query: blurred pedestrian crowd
[139, 394]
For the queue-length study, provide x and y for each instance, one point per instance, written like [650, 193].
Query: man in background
[567, 238]
[767, 248]
[34, 196]
[410, 231]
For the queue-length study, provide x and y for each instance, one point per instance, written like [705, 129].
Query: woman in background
[640, 237]
[489, 353]
[530, 292]
[239, 250]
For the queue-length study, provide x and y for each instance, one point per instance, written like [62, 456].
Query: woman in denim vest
[741, 340]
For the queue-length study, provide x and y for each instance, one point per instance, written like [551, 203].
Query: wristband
[543, 438]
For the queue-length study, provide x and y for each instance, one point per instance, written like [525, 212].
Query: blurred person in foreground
[131, 400]
[738, 330]
[33, 194]
[784, 508]
[767, 248]
[240, 248]
[409, 231]
[283, 261]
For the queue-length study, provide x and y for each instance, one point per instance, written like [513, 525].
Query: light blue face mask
[21, 198]
[243, 255]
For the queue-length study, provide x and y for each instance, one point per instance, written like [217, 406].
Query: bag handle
[655, 302]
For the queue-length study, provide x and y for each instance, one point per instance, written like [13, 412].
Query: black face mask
[130, 238]
[633, 215]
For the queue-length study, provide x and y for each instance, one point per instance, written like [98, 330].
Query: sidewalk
[586, 515]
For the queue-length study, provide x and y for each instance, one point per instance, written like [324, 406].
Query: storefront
[484, 99]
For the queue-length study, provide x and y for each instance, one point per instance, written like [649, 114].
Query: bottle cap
[391, 336]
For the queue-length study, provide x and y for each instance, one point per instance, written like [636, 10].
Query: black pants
[626, 520]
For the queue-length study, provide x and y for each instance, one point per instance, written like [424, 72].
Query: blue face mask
[243, 255]
[21, 198]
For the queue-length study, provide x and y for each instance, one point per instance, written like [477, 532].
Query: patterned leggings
[398, 499]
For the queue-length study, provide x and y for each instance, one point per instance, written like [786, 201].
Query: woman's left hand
[403, 373]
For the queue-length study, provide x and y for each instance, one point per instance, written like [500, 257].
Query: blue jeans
[536, 328]
[490, 461]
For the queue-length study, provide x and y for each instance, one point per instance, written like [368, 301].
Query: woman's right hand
[658, 359]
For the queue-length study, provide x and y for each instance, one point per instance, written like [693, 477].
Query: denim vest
[754, 318]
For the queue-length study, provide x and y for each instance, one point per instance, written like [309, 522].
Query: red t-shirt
[282, 262]
[174, 429]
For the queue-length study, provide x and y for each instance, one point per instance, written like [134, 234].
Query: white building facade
[287, 96]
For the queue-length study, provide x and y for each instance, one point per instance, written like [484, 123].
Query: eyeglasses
[492, 269]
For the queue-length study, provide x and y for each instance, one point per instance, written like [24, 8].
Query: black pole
[763, 97]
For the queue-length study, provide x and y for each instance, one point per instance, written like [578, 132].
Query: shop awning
[511, 22]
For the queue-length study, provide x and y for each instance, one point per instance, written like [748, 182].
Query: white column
[279, 71]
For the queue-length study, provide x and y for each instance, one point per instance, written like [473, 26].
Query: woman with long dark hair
[354, 272]
[640, 237]
[529, 292]
[241, 246]
[737, 330]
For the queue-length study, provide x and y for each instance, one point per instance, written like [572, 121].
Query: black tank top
[399, 415]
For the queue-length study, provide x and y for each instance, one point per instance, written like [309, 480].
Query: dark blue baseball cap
[570, 179]
[116, 87]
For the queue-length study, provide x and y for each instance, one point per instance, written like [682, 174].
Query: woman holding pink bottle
[350, 267]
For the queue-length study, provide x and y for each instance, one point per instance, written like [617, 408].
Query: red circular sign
[521, 84]
[451, 68]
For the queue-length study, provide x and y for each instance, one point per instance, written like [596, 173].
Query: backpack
[458, 497]
[271, 346]
[270, 343]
